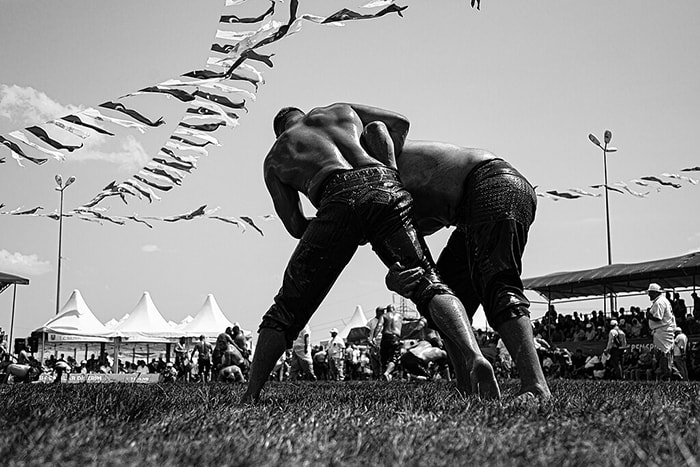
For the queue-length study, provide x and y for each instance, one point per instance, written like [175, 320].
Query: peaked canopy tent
[210, 321]
[7, 280]
[76, 323]
[678, 272]
[146, 324]
[358, 320]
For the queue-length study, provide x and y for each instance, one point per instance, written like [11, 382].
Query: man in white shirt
[680, 346]
[336, 356]
[661, 323]
[617, 342]
[302, 364]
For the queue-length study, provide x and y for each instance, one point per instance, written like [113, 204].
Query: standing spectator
[679, 309]
[617, 343]
[93, 365]
[391, 323]
[375, 338]
[302, 364]
[336, 357]
[696, 306]
[680, 346]
[181, 353]
[61, 366]
[662, 323]
[320, 358]
[352, 362]
[204, 351]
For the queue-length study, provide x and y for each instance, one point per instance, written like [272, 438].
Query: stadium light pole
[60, 188]
[607, 137]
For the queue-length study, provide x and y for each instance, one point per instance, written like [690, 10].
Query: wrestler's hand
[402, 280]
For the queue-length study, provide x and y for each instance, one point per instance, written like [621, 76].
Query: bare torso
[435, 173]
[326, 140]
[393, 322]
[426, 352]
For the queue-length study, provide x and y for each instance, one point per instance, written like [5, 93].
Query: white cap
[334, 331]
[654, 287]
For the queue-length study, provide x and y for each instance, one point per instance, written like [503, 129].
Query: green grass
[357, 423]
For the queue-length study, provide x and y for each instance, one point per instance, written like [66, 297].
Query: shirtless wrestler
[390, 323]
[492, 205]
[359, 199]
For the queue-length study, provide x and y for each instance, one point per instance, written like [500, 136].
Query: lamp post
[607, 137]
[60, 188]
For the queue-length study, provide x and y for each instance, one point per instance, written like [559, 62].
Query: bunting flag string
[18, 135]
[16, 152]
[119, 107]
[74, 119]
[211, 103]
[622, 187]
[99, 215]
[44, 136]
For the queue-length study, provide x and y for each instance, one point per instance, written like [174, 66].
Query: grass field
[355, 423]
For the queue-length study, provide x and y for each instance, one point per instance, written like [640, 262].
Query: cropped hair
[281, 118]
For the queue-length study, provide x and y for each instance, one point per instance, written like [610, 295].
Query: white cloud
[18, 263]
[129, 155]
[150, 248]
[27, 106]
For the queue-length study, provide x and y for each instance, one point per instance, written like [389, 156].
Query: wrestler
[390, 323]
[492, 205]
[416, 360]
[359, 199]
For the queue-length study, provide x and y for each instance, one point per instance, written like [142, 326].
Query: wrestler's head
[284, 117]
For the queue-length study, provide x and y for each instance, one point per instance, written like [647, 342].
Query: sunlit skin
[435, 174]
[308, 148]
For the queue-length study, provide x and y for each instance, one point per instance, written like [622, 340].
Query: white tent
[146, 324]
[77, 323]
[357, 321]
[209, 321]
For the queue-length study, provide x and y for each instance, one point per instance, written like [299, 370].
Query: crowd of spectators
[595, 326]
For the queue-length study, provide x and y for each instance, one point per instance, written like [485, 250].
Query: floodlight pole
[604, 147]
[607, 204]
[60, 188]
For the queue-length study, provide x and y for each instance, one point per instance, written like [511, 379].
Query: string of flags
[648, 182]
[100, 216]
[212, 98]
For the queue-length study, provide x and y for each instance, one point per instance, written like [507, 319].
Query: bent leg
[520, 342]
[449, 316]
[270, 347]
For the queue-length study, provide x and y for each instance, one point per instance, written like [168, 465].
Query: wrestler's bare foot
[248, 399]
[483, 380]
[536, 390]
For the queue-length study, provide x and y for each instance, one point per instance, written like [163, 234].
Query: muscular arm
[396, 123]
[287, 204]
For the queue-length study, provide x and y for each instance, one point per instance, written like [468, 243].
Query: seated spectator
[590, 332]
[579, 334]
[636, 328]
[630, 364]
[594, 367]
[645, 365]
[578, 360]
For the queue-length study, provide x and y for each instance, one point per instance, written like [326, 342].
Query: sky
[526, 80]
